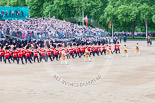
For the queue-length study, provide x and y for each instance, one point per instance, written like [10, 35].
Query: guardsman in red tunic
[43, 54]
[15, 52]
[92, 50]
[55, 54]
[67, 52]
[28, 56]
[71, 52]
[24, 54]
[31, 54]
[7, 56]
[49, 54]
[52, 52]
[78, 52]
[82, 50]
[1, 54]
[10, 54]
[100, 50]
[20, 56]
[103, 49]
[74, 49]
[36, 55]
[116, 48]
[96, 51]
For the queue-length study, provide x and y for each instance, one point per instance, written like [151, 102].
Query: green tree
[36, 7]
[153, 18]
[128, 14]
[3, 2]
[12, 3]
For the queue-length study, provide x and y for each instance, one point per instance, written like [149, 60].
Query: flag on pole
[86, 20]
[109, 25]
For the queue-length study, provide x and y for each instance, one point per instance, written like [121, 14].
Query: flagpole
[146, 29]
[82, 18]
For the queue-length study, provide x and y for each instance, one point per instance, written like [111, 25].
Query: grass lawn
[153, 38]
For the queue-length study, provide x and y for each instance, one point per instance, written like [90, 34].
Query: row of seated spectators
[11, 13]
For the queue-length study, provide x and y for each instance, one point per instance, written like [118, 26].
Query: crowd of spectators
[42, 28]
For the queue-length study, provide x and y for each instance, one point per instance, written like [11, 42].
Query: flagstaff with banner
[86, 20]
[109, 26]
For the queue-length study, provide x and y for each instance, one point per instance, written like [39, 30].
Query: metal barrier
[61, 35]
[55, 35]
